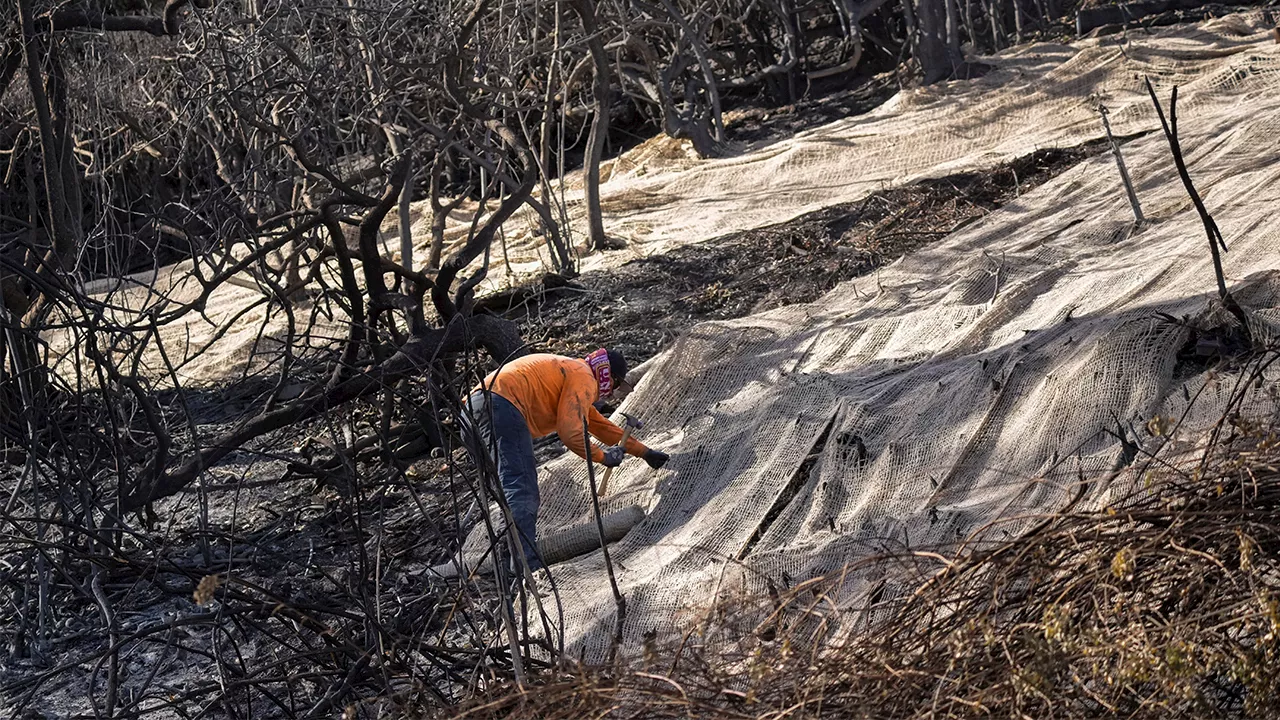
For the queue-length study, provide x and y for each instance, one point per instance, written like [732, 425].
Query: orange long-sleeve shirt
[554, 393]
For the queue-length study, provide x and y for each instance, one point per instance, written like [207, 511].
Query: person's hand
[656, 458]
[613, 456]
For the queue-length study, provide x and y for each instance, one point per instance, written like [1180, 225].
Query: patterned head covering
[599, 363]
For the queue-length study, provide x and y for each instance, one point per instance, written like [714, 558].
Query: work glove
[656, 458]
[613, 456]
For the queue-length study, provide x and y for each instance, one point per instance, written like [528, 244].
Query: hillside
[965, 389]
[951, 432]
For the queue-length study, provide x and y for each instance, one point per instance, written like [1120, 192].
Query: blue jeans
[501, 432]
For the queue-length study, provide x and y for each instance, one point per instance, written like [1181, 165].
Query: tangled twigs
[280, 611]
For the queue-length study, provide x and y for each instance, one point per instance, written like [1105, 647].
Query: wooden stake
[1124, 172]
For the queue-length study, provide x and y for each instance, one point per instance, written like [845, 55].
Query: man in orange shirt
[537, 395]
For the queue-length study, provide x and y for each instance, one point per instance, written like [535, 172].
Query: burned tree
[254, 140]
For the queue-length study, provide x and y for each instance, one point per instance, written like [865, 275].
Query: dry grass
[1165, 605]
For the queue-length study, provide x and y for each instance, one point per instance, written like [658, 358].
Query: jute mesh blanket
[966, 390]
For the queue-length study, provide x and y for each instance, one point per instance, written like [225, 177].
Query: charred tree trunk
[953, 29]
[932, 50]
[600, 87]
[701, 52]
[61, 191]
[673, 122]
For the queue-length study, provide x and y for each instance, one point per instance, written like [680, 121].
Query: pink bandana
[599, 363]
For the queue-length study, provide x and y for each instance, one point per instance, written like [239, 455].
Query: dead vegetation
[272, 567]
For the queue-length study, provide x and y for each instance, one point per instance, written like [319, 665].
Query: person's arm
[610, 434]
[574, 404]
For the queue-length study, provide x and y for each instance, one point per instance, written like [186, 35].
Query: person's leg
[518, 471]
[503, 432]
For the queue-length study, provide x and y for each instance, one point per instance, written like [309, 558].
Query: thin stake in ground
[1124, 172]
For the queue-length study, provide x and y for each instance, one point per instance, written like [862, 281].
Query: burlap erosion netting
[975, 381]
